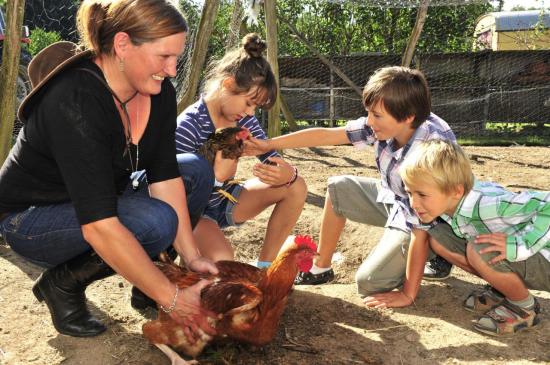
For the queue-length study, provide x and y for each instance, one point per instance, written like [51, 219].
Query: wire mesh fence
[468, 88]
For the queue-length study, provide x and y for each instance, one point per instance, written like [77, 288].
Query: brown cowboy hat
[45, 65]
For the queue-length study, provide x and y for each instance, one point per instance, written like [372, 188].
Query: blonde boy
[506, 235]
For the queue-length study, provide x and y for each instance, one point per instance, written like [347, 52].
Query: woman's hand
[392, 299]
[278, 173]
[202, 264]
[189, 313]
[496, 243]
[254, 146]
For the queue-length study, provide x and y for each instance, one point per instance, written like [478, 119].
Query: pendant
[135, 184]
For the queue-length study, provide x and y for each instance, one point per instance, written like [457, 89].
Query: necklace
[128, 132]
[134, 175]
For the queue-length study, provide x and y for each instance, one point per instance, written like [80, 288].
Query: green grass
[495, 134]
[511, 127]
[504, 141]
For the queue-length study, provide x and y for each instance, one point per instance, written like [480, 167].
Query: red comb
[305, 240]
[243, 134]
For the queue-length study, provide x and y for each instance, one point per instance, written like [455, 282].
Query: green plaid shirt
[524, 217]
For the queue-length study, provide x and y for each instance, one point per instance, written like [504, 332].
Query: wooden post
[415, 33]
[273, 122]
[200, 48]
[292, 126]
[331, 101]
[8, 73]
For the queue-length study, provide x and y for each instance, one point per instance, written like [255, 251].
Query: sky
[508, 4]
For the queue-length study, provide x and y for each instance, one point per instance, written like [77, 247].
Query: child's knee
[475, 258]
[298, 189]
[368, 284]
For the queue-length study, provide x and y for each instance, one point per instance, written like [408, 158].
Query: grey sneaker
[437, 269]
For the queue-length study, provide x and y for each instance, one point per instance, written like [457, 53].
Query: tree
[200, 48]
[8, 73]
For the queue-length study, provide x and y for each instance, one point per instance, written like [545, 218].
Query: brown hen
[228, 140]
[249, 301]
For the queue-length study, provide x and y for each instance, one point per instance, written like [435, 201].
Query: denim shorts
[222, 214]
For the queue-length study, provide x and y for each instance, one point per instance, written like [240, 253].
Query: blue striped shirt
[388, 160]
[194, 125]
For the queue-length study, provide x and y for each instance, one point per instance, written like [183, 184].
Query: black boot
[62, 288]
[139, 300]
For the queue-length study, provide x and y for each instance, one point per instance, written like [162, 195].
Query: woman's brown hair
[249, 69]
[143, 20]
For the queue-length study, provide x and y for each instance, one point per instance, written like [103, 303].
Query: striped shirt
[524, 217]
[388, 160]
[194, 125]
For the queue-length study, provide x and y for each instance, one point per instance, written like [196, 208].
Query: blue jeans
[198, 177]
[50, 235]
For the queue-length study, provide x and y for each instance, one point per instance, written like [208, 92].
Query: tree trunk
[8, 73]
[200, 48]
[415, 34]
[234, 35]
[273, 122]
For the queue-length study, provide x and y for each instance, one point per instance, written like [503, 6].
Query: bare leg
[211, 241]
[175, 359]
[330, 231]
[288, 201]
[508, 283]
[454, 258]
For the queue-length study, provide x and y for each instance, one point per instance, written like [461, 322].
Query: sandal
[481, 300]
[507, 318]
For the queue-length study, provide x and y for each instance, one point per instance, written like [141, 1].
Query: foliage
[192, 11]
[350, 27]
[40, 39]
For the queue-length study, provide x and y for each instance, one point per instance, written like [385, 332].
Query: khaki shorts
[535, 271]
[383, 269]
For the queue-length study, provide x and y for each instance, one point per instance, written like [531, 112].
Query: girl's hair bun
[253, 45]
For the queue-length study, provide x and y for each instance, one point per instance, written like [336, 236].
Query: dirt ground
[323, 324]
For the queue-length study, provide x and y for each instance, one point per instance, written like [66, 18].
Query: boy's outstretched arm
[311, 137]
[416, 259]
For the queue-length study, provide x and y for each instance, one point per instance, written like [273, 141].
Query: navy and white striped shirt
[194, 125]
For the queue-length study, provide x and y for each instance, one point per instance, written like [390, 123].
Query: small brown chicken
[249, 301]
[228, 140]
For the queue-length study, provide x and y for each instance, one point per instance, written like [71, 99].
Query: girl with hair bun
[235, 86]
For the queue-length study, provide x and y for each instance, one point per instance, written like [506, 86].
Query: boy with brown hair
[505, 235]
[399, 118]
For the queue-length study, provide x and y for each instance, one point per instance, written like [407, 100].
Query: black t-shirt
[72, 147]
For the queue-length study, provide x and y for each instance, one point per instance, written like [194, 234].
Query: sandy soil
[322, 325]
